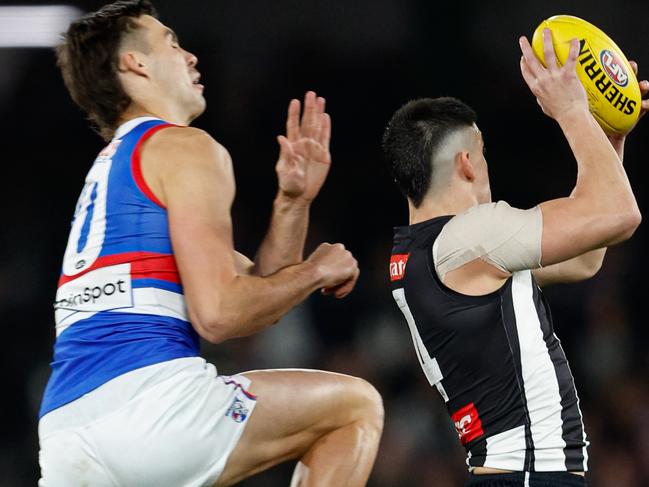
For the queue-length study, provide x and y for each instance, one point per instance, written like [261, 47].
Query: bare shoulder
[181, 160]
[176, 145]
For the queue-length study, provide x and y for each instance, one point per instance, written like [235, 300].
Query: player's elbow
[588, 270]
[213, 325]
[216, 325]
[620, 219]
[213, 334]
[635, 219]
[209, 332]
[628, 222]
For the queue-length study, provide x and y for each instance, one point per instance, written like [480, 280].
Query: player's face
[481, 170]
[172, 69]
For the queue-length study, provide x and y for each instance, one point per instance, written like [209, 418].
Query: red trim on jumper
[136, 167]
[163, 268]
[143, 265]
[239, 386]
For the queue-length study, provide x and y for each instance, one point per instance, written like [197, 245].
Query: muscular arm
[583, 266]
[283, 244]
[193, 177]
[577, 269]
[588, 264]
[602, 209]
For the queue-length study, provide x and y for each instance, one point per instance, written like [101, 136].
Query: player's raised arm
[302, 168]
[196, 184]
[587, 265]
[602, 209]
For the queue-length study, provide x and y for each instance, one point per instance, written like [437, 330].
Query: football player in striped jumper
[466, 273]
[150, 267]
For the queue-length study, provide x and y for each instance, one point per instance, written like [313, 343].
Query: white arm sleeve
[506, 237]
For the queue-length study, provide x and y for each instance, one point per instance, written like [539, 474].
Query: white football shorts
[172, 424]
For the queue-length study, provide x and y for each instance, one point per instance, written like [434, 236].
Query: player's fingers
[325, 132]
[347, 287]
[529, 78]
[533, 64]
[285, 148]
[319, 111]
[293, 120]
[320, 105]
[307, 127]
[571, 62]
[644, 89]
[341, 290]
[548, 50]
[644, 106]
[326, 291]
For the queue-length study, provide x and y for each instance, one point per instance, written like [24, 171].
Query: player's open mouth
[197, 84]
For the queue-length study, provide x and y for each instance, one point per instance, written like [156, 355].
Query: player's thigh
[66, 459]
[294, 409]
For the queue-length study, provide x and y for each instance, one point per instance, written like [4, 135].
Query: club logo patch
[238, 411]
[467, 423]
[614, 67]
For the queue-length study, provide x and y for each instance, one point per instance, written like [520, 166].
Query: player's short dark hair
[88, 61]
[413, 136]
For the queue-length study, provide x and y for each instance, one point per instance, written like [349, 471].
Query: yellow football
[611, 85]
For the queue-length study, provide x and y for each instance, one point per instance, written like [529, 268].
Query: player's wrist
[617, 141]
[315, 273]
[285, 203]
[573, 115]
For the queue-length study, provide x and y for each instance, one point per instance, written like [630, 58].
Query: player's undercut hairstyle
[88, 59]
[413, 137]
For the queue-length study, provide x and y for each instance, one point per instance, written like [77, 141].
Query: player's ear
[463, 166]
[130, 61]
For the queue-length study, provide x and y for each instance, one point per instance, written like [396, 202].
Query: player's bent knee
[369, 404]
[369, 416]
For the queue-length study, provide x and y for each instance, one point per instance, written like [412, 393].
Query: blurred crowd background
[367, 57]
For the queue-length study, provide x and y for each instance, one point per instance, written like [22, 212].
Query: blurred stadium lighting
[35, 26]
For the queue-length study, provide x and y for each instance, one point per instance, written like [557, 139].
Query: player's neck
[446, 204]
[166, 114]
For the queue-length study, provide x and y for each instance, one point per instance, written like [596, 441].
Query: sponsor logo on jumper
[467, 423]
[91, 294]
[101, 289]
[238, 411]
[604, 72]
[398, 266]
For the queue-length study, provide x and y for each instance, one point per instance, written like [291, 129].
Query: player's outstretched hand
[304, 157]
[557, 88]
[337, 268]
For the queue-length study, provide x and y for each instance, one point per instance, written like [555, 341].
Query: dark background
[367, 57]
